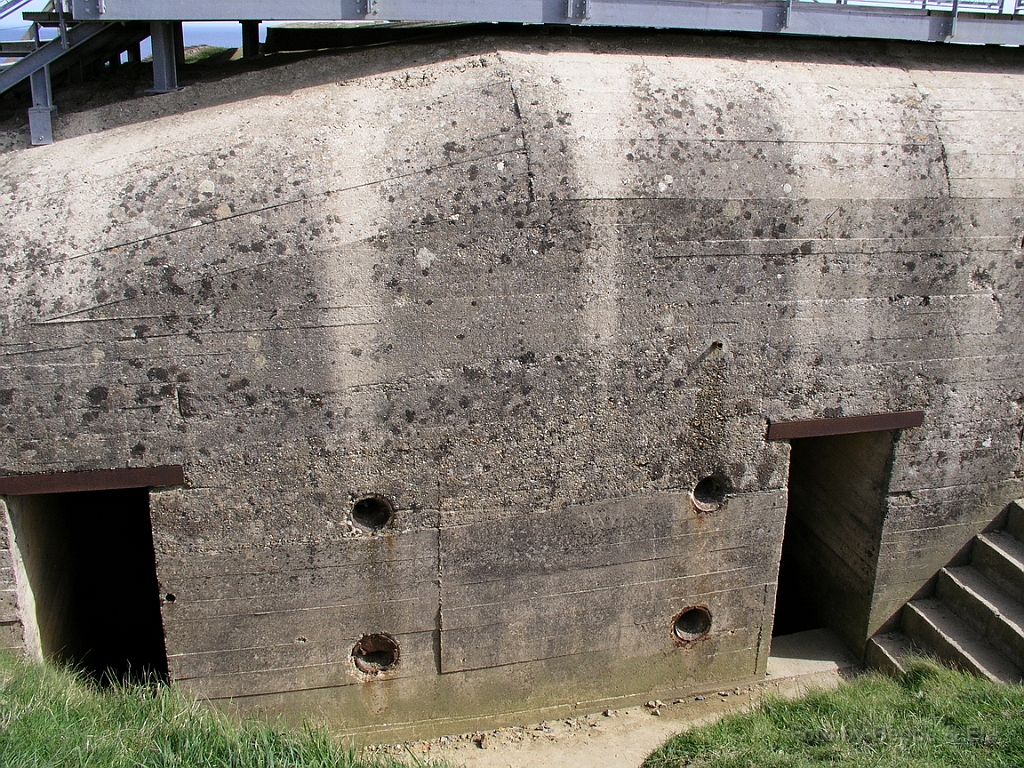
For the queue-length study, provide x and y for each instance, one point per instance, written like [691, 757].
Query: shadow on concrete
[812, 652]
[126, 85]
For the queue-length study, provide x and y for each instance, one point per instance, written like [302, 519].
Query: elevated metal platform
[989, 22]
[964, 21]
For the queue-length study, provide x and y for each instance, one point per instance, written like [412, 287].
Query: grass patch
[931, 716]
[197, 53]
[52, 718]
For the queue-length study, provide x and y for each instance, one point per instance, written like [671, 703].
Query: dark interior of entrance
[837, 488]
[89, 561]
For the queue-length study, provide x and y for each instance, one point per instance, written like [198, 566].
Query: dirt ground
[624, 738]
[614, 739]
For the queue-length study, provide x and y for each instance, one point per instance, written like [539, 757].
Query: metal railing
[31, 34]
[6, 9]
[30, 38]
[1002, 7]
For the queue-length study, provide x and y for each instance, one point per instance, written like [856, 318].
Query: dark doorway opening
[837, 489]
[89, 560]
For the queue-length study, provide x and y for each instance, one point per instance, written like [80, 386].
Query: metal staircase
[37, 60]
[975, 620]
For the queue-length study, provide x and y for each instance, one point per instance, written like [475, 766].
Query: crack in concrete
[934, 122]
[522, 134]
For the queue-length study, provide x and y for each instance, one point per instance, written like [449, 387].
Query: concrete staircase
[976, 618]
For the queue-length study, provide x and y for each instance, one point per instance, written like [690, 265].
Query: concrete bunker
[507, 326]
[85, 562]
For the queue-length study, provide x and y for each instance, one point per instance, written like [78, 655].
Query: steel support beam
[844, 21]
[36, 68]
[165, 69]
[976, 21]
[7, 8]
[250, 39]
[42, 111]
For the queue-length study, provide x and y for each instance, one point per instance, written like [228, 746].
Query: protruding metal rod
[62, 23]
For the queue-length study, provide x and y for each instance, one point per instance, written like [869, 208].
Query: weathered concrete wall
[11, 630]
[532, 291]
[44, 553]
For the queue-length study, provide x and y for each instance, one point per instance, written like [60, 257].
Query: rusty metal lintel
[96, 480]
[845, 425]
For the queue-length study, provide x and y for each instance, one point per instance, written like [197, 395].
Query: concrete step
[1015, 522]
[935, 628]
[887, 652]
[988, 610]
[1000, 559]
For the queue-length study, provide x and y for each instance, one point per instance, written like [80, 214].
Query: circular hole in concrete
[709, 494]
[375, 653]
[169, 598]
[692, 624]
[371, 513]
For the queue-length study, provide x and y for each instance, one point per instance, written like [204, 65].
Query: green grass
[931, 716]
[54, 719]
[198, 53]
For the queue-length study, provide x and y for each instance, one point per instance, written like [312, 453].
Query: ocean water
[225, 34]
